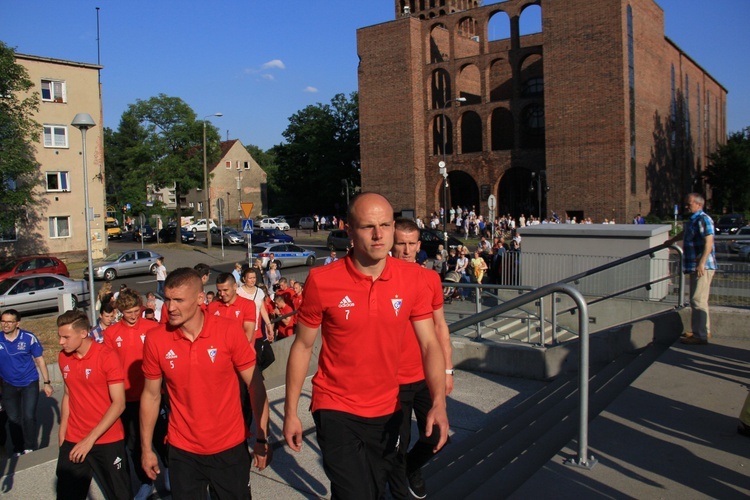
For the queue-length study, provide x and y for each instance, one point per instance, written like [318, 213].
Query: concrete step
[505, 453]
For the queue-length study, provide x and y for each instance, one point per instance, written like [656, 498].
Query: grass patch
[45, 328]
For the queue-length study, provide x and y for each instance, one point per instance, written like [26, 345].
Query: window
[55, 136]
[59, 227]
[228, 164]
[200, 206]
[247, 165]
[534, 119]
[53, 91]
[57, 181]
[533, 86]
[8, 233]
[191, 204]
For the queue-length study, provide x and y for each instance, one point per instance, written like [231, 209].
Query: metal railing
[619, 291]
[583, 459]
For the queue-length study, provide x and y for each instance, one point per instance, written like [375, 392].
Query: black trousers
[107, 461]
[131, 421]
[227, 473]
[416, 397]
[358, 452]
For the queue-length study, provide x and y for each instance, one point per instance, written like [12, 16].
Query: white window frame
[57, 231]
[200, 206]
[50, 131]
[191, 204]
[63, 181]
[50, 84]
[228, 164]
[247, 165]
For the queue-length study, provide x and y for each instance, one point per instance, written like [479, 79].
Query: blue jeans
[20, 405]
[465, 292]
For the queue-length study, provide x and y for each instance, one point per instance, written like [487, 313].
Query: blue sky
[259, 62]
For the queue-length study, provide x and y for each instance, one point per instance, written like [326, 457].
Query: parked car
[125, 263]
[736, 245]
[231, 236]
[40, 292]
[431, 239]
[33, 265]
[271, 222]
[145, 233]
[745, 253]
[338, 239]
[271, 236]
[729, 223]
[200, 225]
[288, 254]
[306, 223]
[167, 235]
[113, 228]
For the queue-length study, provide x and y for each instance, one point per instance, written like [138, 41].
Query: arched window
[502, 129]
[471, 133]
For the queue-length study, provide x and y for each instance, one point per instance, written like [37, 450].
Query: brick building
[582, 107]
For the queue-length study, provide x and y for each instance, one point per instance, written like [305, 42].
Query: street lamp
[444, 172]
[206, 197]
[83, 122]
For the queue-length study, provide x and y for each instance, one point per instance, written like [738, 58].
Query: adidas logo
[346, 302]
[117, 463]
[66, 369]
[171, 355]
[118, 339]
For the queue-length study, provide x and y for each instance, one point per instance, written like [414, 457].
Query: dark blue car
[270, 236]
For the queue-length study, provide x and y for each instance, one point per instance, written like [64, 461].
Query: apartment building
[57, 225]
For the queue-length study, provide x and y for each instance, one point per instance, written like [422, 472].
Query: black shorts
[226, 472]
[107, 461]
[358, 452]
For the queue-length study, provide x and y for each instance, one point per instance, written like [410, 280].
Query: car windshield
[6, 285]
[112, 257]
[260, 249]
[729, 219]
[8, 266]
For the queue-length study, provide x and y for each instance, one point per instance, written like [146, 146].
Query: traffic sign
[247, 225]
[247, 207]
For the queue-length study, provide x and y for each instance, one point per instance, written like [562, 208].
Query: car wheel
[310, 261]
[194, 230]
[152, 269]
[331, 247]
[74, 300]
[110, 274]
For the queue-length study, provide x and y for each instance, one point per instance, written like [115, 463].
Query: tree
[267, 161]
[161, 143]
[728, 173]
[322, 150]
[124, 152]
[19, 174]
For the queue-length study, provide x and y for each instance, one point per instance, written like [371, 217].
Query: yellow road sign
[246, 209]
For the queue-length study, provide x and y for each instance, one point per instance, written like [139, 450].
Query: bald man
[363, 305]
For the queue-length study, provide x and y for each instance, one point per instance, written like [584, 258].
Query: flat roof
[58, 61]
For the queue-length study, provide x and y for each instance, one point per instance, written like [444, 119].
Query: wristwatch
[47, 382]
[450, 372]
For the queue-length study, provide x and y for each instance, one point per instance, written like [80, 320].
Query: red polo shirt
[363, 326]
[411, 368]
[286, 330]
[88, 380]
[127, 341]
[241, 310]
[202, 383]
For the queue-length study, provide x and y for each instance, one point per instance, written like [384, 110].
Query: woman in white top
[249, 291]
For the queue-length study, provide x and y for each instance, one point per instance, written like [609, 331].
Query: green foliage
[321, 151]
[159, 142]
[19, 174]
[267, 161]
[728, 173]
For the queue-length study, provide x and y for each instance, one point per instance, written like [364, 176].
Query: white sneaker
[144, 491]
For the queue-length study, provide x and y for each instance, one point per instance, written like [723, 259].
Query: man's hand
[439, 417]
[293, 432]
[80, 450]
[262, 455]
[448, 384]
[150, 464]
[48, 390]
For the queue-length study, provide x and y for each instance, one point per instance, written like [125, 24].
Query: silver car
[231, 236]
[40, 291]
[124, 264]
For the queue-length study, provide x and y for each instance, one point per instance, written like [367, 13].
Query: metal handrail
[583, 459]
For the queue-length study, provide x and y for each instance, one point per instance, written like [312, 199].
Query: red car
[33, 265]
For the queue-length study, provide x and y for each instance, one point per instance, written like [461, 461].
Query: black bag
[264, 353]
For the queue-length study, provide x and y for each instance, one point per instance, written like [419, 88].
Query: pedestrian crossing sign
[247, 226]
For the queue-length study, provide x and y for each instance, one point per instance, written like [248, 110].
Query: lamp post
[443, 169]
[206, 197]
[83, 122]
[538, 189]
